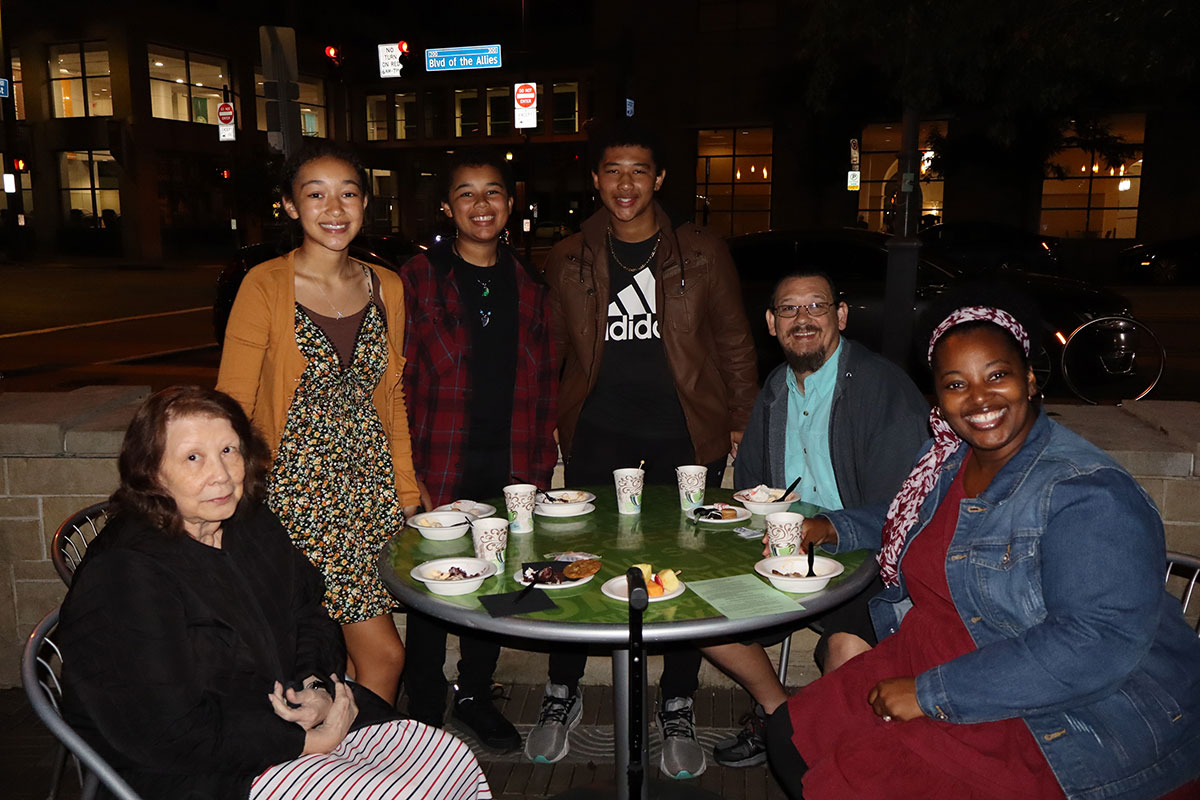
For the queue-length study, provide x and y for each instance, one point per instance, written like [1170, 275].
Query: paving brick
[1182, 501]
[21, 540]
[62, 476]
[19, 507]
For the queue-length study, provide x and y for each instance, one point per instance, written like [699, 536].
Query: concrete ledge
[1179, 421]
[39, 423]
[1140, 447]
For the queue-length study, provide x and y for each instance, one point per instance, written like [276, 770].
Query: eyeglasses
[813, 309]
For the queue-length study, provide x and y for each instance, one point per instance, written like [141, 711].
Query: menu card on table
[743, 596]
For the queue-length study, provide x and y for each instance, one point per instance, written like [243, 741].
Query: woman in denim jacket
[1035, 652]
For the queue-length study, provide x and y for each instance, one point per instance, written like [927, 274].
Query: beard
[803, 363]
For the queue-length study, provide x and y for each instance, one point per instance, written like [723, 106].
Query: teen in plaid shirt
[480, 385]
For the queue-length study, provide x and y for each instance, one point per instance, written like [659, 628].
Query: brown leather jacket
[703, 323]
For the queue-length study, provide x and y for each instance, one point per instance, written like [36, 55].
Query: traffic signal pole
[903, 251]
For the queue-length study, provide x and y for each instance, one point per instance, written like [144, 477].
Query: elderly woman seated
[197, 656]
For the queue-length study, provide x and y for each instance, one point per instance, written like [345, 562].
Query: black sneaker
[749, 747]
[486, 723]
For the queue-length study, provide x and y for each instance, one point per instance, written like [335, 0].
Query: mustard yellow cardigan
[261, 364]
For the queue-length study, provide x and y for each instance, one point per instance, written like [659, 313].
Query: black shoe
[486, 723]
[749, 747]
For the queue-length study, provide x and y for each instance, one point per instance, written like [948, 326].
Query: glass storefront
[879, 151]
[80, 82]
[1095, 183]
[733, 179]
[88, 179]
[187, 86]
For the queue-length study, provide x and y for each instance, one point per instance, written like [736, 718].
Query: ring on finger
[887, 718]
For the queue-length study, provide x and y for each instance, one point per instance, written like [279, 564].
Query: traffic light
[18, 164]
[334, 54]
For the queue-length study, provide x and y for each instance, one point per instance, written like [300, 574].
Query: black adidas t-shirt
[634, 394]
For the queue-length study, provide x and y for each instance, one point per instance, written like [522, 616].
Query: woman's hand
[329, 734]
[813, 531]
[895, 700]
[313, 704]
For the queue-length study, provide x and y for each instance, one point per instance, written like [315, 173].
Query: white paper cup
[519, 499]
[629, 490]
[783, 532]
[691, 486]
[490, 536]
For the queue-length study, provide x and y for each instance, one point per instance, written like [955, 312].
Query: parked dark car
[385, 250]
[988, 247]
[857, 260]
[1164, 263]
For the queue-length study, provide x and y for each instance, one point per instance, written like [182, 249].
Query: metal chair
[42, 687]
[1185, 570]
[72, 538]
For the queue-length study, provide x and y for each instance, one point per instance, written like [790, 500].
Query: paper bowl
[472, 566]
[762, 509]
[577, 499]
[826, 568]
[451, 524]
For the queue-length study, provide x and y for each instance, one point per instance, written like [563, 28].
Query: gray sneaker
[749, 747]
[682, 756]
[561, 712]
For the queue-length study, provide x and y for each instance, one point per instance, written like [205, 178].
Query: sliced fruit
[667, 579]
[647, 571]
[654, 589]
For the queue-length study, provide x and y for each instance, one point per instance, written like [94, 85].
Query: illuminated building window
[733, 179]
[1093, 185]
[384, 208]
[18, 87]
[188, 86]
[566, 107]
[313, 110]
[80, 85]
[88, 179]
[879, 166]
[377, 118]
[499, 111]
[405, 104]
[467, 119]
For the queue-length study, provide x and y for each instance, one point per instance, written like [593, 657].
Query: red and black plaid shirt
[437, 375]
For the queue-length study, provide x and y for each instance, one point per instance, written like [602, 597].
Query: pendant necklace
[337, 311]
[485, 316]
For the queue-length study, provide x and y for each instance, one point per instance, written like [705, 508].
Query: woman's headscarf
[902, 514]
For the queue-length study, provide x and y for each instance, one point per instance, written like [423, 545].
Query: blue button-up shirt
[806, 450]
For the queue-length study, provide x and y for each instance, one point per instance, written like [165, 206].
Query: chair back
[1183, 573]
[72, 538]
[40, 668]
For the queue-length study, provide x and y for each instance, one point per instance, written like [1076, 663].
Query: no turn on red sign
[525, 105]
[225, 113]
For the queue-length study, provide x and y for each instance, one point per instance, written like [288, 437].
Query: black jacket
[876, 427]
[170, 648]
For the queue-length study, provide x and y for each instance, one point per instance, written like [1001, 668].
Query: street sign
[226, 133]
[525, 105]
[389, 60]
[629, 106]
[444, 59]
[225, 113]
[4, 87]
[853, 180]
[854, 154]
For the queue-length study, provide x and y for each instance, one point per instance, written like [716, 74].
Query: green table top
[661, 535]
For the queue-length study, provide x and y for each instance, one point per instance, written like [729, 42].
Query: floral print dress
[333, 485]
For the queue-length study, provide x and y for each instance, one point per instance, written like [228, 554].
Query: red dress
[851, 753]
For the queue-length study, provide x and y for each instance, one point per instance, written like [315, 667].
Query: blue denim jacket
[1056, 570]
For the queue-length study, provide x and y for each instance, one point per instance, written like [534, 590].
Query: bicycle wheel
[1112, 359]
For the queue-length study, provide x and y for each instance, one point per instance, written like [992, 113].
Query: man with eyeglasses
[848, 423]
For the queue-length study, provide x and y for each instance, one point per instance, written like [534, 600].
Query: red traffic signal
[18, 165]
[334, 54]
[402, 46]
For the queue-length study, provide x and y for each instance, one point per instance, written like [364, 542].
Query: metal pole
[904, 249]
[16, 201]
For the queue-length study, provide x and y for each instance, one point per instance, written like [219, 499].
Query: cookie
[581, 569]
[728, 513]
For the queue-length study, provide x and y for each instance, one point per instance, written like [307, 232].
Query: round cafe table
[661, 535]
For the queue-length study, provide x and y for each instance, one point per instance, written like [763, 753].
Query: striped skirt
[400, 759]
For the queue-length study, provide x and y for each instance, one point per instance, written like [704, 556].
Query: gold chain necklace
[613, 252]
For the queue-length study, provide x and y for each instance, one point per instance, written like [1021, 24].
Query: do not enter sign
[225, 113]
[525, 95]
